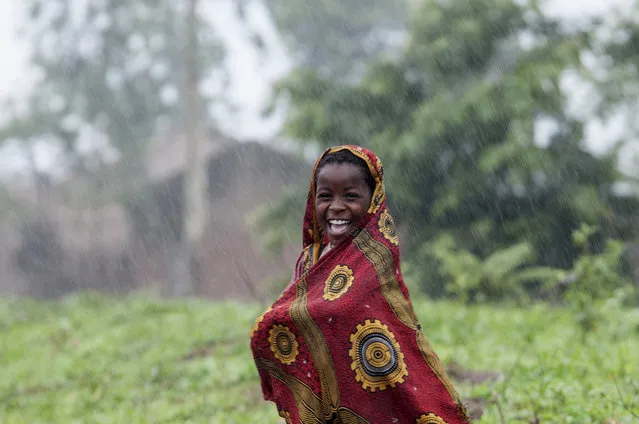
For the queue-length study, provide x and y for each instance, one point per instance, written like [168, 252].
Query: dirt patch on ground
[475, 406]
[458, 373]
[206, 349]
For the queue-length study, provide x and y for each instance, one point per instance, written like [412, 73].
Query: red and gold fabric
[342, 343]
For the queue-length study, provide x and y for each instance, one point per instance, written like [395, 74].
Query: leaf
[497, 156]
[539, 273]
[503, 262]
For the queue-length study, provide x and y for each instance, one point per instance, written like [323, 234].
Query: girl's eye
[351, 195]
[323, 196]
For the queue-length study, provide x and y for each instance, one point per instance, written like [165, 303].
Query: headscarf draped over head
[342, 343]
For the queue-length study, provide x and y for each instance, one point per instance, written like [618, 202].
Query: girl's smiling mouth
[338, 227]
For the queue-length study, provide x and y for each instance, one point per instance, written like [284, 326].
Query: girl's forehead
[341, 171]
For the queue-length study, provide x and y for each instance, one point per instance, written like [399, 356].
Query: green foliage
[141, 360]
[338, 37]
[620, 77]
[453, 118]
[510, 274]
[597, 279]
[94, 359]
[500, 276]
[617, 82]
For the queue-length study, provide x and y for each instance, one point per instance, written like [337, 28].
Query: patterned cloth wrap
[342, 343]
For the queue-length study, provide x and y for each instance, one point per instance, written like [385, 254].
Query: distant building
[241, 176]
[130, 237]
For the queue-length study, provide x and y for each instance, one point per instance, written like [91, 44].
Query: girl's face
[342, 198]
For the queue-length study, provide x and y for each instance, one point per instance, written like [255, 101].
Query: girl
[342, 343]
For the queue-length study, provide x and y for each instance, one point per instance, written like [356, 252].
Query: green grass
[93, 359]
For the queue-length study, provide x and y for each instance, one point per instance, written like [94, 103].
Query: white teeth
[338, 222]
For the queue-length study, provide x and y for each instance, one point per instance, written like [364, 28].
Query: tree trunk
[195, 183]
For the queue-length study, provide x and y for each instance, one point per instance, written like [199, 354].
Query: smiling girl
[342, 343]
[344, 188]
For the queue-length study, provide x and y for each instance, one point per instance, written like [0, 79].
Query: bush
[444, 269]
[597, 279]
[506, 274]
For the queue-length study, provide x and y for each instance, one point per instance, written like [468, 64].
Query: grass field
[94, 359]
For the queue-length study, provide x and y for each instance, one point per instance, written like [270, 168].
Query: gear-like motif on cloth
[338, 283]
[287, 416]
[430, 419]
[378, 361]
[258, 320]
[387, 227]
[283, 344]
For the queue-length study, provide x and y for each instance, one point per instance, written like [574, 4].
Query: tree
[116, 71]
[195, 181]
[619, 59]
[454, 120]
[618, 82]
[111, 69]
[338, 38]
[26, 133]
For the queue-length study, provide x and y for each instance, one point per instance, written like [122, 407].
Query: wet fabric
[342, 343]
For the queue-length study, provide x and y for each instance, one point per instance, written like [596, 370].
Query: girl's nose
[336, 204]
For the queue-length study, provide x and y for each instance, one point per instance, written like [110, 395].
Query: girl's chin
[336, 239]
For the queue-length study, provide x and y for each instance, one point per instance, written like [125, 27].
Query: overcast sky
[251, 75]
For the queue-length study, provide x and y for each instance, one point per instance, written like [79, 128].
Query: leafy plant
[597, 280]
[504, 274]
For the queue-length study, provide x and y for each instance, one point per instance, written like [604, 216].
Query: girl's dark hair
[344, 156]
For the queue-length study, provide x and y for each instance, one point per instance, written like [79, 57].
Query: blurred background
[165, 147]
[169, 145]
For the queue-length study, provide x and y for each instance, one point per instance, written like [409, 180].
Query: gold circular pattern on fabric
[386, 226]
[283, 344]
[338, 282]
[376, 356]
[430, 419]
[259, 320]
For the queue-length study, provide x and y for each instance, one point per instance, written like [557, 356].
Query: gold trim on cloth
[381, 258]
[319, 349]
[308, 404]
[430, 419]
[438, 368]
[338, 282]
[347, 416]
[382, 261]
[259, 320]
[378, 195]
[287, 416]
